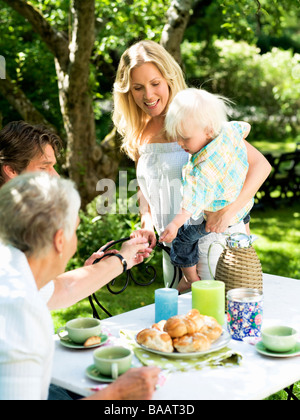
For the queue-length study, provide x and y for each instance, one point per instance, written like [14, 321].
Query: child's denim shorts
[185, 250]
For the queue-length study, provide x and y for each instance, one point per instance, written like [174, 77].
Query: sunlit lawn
[278, 243]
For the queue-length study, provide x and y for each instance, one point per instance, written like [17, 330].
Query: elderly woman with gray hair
[39, 218]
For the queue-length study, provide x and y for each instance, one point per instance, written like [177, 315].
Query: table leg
[291, 395]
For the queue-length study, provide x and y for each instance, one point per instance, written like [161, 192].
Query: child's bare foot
[185, 285]
[190, 275]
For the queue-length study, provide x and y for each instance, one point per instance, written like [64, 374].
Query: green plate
[263, 350]
[66, 342]
[93, 373]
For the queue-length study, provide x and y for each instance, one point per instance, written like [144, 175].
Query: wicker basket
[239, 267]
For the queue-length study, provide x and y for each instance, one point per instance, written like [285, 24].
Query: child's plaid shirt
[214, 177]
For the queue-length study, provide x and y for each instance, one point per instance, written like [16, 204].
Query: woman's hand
[259, 169]
[135, 251]
[135, 384]
[145, 233]
[218, 221]
[99, 254]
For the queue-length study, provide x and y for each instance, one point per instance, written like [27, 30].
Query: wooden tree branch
[17, 98]
[258, 7]
[56, 41]
[82, 43]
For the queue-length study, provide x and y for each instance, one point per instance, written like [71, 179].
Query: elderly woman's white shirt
[26, 331]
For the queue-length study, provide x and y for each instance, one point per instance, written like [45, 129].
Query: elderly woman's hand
[99, 254]
[134, 251]
[135, 384]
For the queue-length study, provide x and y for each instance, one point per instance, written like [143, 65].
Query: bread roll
[92, 341]
[160, 325]
[180, 325]
[191, 343]
[211, 328]
[155, 340]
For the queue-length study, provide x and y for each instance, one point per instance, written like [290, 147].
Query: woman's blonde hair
[205, 110]
[128, 118]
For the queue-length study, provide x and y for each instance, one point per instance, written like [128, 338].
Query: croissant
[155, 339]
[179, 325]
[191, 343]
[211, 328]
[160, 325]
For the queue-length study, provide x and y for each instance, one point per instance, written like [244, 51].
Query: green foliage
[127, 21]
[265, 88]
[28, 60]
[120, 23]
[245, 20]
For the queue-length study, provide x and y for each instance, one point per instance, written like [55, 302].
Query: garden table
[257, 377]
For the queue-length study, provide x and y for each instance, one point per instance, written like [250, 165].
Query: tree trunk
[75, 100]
[178, 16]
[86, 161]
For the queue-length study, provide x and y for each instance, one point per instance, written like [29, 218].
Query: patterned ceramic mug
[244, 313]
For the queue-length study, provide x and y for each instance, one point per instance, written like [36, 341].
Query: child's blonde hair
[129, 119]
[208, 111]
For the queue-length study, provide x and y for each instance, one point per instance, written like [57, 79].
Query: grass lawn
[278, 243]
[277, 147]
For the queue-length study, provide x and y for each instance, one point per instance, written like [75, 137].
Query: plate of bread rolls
[187, 335]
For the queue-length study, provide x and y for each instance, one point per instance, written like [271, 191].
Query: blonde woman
[147, 80]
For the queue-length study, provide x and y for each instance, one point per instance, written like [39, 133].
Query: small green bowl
[279, 339]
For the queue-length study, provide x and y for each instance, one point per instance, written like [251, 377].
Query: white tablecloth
[257, 377]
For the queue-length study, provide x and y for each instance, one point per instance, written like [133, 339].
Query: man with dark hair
[27, 148]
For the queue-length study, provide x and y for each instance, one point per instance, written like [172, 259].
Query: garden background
[60, 63]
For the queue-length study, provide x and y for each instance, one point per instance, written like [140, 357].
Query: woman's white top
[159, 171]
[159, 174]
[26, 331]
